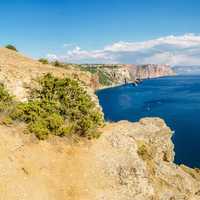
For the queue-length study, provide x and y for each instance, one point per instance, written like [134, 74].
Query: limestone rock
[150, 71]
[130, 161]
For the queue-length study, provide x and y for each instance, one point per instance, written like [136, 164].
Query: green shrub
[57, 63]
[144, 151]
[43, 61]
[4, 95]
[92, 70]
[5, 98]
[104, 78]
[6, 120]
[60, 107]
[39, 128]
[55, 121]
[11, 47]
[6, 104]
[66, 129]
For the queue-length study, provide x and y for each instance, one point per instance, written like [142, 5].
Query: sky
[104, 31]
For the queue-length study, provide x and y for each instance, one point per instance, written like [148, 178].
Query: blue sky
[71, 29]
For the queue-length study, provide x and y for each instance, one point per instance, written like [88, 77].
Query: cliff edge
[148, 71]
[130, 161]
[117, 74]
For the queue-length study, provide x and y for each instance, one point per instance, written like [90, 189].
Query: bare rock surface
[147, 71]
[130, 161]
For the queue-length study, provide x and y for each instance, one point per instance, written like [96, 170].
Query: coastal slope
[130, 161]
[18, 73]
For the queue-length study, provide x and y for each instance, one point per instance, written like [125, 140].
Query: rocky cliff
[130, 161]
[150, 71]
[115, 74]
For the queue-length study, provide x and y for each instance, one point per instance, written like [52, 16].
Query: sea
[176, 99]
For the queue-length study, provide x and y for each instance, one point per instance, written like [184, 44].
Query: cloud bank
[173, 50]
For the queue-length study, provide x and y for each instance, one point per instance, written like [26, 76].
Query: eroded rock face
[150, 71]
[119, 75]
[130, 161]
[125, 73]
[138, 161]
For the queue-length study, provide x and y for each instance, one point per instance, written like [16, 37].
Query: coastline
[112, 86]
[131, 82]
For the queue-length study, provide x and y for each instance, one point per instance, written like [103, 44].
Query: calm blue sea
[175, 99]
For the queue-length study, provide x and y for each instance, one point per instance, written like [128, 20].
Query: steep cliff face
[118, 75]
[150, 71]
[130, 161]
[121, 73]
[142, 165]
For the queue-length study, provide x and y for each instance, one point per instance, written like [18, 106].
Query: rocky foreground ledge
[130, 161]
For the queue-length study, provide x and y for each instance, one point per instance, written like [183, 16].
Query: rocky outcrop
[150, 71]
[130, 161]
[121, 73]
[118, 75]
[137, 161]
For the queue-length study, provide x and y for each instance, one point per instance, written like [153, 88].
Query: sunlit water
[175, 99]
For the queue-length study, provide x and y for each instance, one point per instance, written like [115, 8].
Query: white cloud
[184, 41]
[52, 57]
[172, 50]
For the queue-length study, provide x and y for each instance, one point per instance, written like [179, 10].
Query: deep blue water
[175, 99]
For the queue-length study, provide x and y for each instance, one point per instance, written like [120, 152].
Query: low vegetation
[58, 106]
[96, 69]
[5, 99]
[11, 47]
[55, 63]
[104, 78]
[43, 61]
[144, 151]
[99, 70]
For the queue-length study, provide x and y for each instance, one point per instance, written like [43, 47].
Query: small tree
[43, 61]
[11, 47]
[57, 63]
